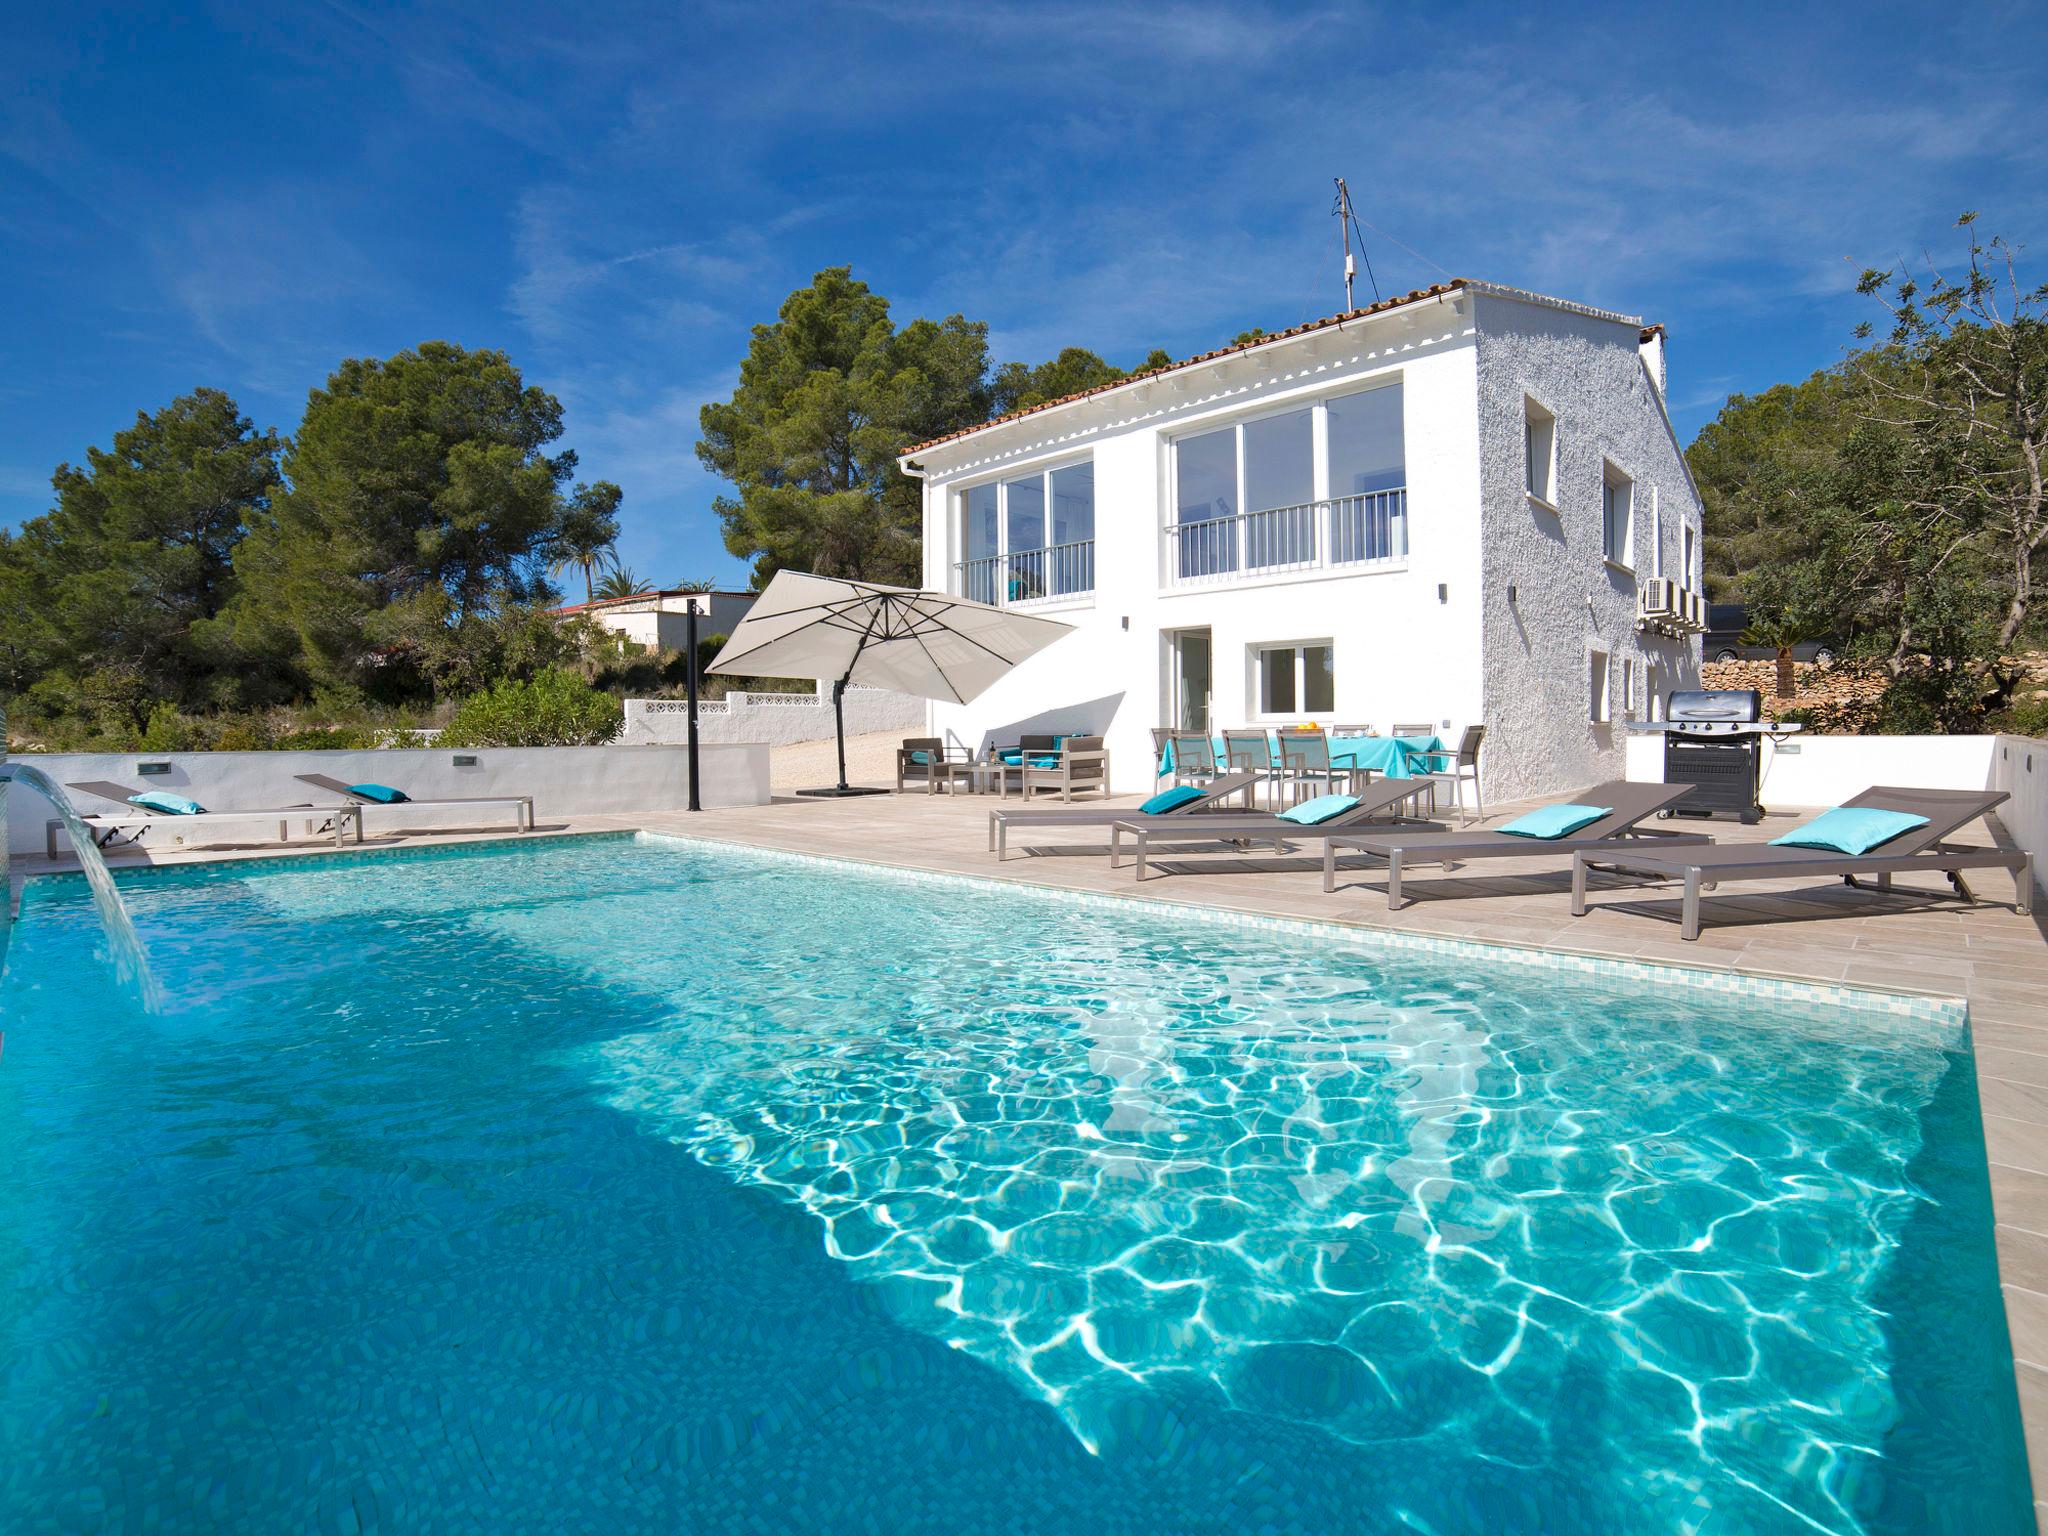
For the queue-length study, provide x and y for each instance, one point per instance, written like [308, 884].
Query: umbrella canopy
[924, 643]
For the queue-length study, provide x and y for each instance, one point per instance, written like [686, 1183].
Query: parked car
[1726, 623]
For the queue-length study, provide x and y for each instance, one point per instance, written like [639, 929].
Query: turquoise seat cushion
[383, 794]
[168, 804]
[1015, 759]
[921, 757]
[1050, 761]
[1850, 829]
[1170, 800]
[1555, 820]
[1314, 812]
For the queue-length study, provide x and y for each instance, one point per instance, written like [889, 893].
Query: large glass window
[1367, 451]
[1205, 496]
[1033, 536]
[1279, 490]
[1368, 475]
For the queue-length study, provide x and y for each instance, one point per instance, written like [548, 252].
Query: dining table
[1392, 757]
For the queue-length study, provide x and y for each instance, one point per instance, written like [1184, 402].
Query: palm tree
[696, 584]
[620, 582]
[590, 528]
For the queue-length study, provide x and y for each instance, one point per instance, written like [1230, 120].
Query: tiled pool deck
[1989, 956]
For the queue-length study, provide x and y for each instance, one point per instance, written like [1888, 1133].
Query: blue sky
[242, 196]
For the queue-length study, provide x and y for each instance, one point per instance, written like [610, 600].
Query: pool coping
[1945, 1011]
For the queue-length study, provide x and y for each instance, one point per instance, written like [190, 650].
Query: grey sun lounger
[135, 820]
[1922, 847]
[1376, 802]
[522, 805]
[1630, 803]
[1214, 794]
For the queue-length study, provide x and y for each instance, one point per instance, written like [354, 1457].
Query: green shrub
[2026, 717]
[556, 709]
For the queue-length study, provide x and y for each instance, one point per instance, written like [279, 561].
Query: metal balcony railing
[1028, 575]
[1345, 530]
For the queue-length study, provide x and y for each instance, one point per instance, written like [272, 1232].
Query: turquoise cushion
[171, 805]
[1170, 800]
[921, 757]
[1013, 758]
[1555, 820]
[1312, 812]
[1052, 761]
[383, 794]
[1850, 829]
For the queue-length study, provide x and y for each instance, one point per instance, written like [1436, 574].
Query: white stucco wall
[2019, 766]
[1589, 372]
[1818, 771]
[776, 718]
[1400, 653]
[564, 781]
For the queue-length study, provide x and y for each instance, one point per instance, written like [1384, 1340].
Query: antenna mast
[1347, 221]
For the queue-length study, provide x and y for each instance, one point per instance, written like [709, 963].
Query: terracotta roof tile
[1417, 296]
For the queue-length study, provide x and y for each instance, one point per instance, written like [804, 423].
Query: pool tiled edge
[1948, 1014]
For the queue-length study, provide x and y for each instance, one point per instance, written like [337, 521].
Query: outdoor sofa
[1918, 848]
[1626, 806]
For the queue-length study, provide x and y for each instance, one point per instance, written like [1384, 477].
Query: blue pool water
[623, 1185]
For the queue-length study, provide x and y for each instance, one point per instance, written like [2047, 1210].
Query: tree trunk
[1785, 689]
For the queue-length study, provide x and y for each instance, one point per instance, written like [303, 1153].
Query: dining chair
[1427, 728]
[1249, 751]
[1194, 756]
[1456, 769]
[1305, 767]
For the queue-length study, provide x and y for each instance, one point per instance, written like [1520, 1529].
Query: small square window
[1539, 452]
[1297, 680]
[1617, 514]
[1599, 708]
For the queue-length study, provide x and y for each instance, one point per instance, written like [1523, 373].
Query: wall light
[464, 760]
[1443, 592]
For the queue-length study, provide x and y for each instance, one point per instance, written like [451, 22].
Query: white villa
[660, 620]
[1463, 505]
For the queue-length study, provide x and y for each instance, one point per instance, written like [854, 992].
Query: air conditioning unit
[1659, 599]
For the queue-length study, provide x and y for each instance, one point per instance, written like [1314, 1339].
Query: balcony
[1317, 535]
[1028, 575]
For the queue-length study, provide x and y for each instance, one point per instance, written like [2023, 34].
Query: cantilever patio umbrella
[924, 643]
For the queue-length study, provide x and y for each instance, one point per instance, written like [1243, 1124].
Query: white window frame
[1656, 533]
[1630, 667]
[1319, 477]
[1689, 541]
[1045, 469]
[1546, 498]
[1599, 687]
[1256, 654]
[1612, 474]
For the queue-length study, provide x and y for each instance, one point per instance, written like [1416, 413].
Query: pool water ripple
[1512, 1250]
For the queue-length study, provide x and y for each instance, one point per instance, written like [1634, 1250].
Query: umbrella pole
[839, 727]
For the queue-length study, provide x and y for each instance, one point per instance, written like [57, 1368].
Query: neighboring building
[659, 619]
[1467, 504]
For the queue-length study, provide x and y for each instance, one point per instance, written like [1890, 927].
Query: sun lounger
[1920, 848]
[522, 804]
[1373, 802]
[1629, 804]
[1214, 793]
[135, 820]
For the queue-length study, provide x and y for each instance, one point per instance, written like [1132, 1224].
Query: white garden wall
[776, 718]
[564, 781]
[1808, 771]
[2019, 766]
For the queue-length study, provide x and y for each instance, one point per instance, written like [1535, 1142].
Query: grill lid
[1728, 705]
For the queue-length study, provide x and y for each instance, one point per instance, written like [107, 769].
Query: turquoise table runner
[1388, 756]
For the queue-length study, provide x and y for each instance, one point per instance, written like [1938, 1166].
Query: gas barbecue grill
[1714, 741]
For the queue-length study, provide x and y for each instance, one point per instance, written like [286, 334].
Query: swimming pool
[627, 1184]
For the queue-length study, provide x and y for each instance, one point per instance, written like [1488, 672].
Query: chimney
[1651, 346]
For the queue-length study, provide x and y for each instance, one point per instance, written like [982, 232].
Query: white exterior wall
[1592, 374]
[564, 781]
[663, 622]
[1398, 651]
[1814, 772]
[779, 719]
